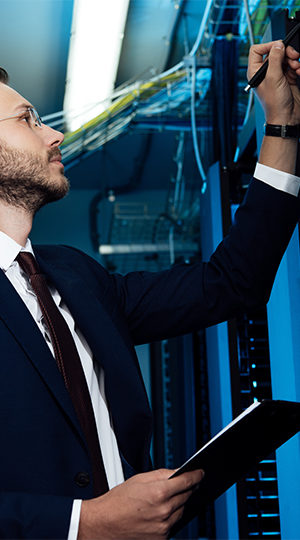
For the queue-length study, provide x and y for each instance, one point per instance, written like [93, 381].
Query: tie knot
[28, 263]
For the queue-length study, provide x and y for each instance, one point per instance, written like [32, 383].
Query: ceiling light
[95, 46]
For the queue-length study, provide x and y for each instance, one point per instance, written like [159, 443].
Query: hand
[278, 92]
[144, 507]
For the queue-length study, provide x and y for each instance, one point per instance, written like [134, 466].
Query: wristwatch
[286, 132]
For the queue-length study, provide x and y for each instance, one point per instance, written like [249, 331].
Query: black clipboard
[241, 445]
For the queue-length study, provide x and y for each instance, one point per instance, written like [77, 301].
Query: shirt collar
[9, 249]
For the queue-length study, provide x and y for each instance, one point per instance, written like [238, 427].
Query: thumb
[276, 57]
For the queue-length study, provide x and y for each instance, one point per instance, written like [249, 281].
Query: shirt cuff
[75, 517]
[278, 179]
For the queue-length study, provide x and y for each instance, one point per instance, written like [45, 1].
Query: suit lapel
[124, 391]
[19, 321]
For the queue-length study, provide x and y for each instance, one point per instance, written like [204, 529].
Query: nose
[51, 136]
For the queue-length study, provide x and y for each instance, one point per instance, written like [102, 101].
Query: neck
[15, 222]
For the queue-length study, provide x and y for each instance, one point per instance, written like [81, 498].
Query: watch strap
[286, 132]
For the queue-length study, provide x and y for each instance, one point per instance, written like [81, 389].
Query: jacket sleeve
[238, 277]
[25, 515]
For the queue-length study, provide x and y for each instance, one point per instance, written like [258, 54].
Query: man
[47, 465]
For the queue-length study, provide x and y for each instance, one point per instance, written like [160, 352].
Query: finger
[293, 64]
[276, 58]
[175, 517]
[292, 53]
[176, 508]
[291, 77]
[185, 482]
[170, 519]
[259, 50]
[181, 499]
[156, 475]
[257, 54]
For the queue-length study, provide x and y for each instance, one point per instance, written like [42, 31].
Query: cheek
[22, 138]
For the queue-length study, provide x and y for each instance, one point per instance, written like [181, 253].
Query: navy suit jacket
[42, 446]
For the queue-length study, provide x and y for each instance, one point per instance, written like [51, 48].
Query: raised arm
[280, 98]
[147, 505]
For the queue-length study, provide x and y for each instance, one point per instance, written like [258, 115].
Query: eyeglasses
[30, 114]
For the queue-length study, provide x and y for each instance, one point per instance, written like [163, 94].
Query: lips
[56, 157]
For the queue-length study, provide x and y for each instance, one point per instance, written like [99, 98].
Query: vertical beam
[284, 345]
[284, 339]
[218, 353]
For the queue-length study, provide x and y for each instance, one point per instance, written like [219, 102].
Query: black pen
[259, 76]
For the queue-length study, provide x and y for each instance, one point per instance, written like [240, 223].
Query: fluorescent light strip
[95, 46]
[120, 249]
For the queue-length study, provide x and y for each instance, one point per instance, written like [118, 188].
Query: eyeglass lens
[35, 116]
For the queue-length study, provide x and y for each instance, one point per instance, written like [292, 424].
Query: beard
[26, 180]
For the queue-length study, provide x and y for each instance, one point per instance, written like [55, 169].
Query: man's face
[31, 172]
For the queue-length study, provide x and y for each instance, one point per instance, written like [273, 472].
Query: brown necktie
[69, 365]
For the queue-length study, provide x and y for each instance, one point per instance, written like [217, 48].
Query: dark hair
[3, 76]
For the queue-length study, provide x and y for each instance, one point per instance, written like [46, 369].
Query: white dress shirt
[9, 249]
[277, 179]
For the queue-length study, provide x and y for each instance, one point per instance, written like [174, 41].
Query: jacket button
[82, 479]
